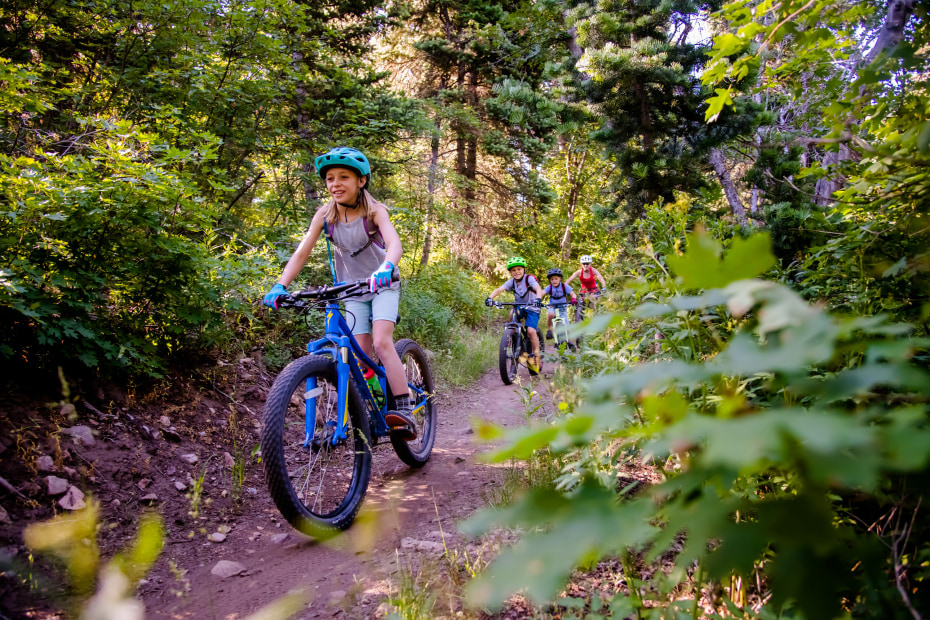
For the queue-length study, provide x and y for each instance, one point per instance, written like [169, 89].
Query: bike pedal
[404, 432]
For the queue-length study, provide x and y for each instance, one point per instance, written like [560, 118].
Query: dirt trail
[346, 577]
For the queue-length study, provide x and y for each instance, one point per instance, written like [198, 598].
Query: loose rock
[180, 486]
[229, 460]
[171, 435]
[280, 539]
[82, 435]
[56, 485]
[165, 421]
[217, 537]
[190, 459]
[45, 463]
[151, 498]
[73, 499]
[225, 569]
[424, 546]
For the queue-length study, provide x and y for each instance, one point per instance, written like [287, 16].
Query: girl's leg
[384, 346]
[364, 341]
[399, 419]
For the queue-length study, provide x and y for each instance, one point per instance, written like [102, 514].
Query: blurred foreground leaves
[778, 443]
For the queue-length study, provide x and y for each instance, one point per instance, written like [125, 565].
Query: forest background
[156, 171]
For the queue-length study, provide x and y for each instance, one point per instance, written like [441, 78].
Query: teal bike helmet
[343, 157]
[516, 261]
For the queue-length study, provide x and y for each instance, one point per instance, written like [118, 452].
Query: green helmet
[516, 261]
[343, 157]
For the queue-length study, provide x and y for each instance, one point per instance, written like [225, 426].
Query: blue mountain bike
[322, 418]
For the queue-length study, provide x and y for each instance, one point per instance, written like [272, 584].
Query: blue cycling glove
[381, 278]
[271, 299]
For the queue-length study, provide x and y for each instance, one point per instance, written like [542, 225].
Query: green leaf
[715, 104]
[750, 257]
[540, 562]
[700, 265]
[923, 139]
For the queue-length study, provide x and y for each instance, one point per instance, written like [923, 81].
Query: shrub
[103, 253]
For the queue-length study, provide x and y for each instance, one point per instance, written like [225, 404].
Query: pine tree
[485, 62]
[638, 70]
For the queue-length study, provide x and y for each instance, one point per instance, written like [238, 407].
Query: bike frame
[587, 301]
[559, 325]
[522, 334]
[339, 344]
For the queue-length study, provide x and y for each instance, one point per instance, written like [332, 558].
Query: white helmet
[586, 259]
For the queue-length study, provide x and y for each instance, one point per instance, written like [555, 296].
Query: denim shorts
[532, 318]
[360, 314]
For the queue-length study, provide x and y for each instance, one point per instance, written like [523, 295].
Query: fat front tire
[417, 452]
[319, 487]
[509, 356]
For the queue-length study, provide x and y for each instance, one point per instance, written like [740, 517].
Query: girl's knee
[383, 345]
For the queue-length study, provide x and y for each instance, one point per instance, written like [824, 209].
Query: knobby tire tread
[426, 433]
[508, 349]
[272, 438]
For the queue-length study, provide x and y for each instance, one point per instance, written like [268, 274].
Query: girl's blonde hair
[367, 205]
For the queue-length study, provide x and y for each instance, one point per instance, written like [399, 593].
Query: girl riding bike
[366, 247]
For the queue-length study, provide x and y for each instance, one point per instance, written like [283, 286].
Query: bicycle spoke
[321, 473]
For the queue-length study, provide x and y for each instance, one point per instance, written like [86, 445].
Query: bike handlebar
[328, 292]
[499, 304]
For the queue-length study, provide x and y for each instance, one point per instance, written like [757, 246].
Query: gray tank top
[349, 238]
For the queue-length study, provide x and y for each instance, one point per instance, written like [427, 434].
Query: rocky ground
[186, 452]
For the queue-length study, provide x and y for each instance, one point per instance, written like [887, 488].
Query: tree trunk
[431, 194]
[729, 188]
[823, 190]
[468, 242]
[307, 169]
[644, 118]
[899, 12]
[576, 183]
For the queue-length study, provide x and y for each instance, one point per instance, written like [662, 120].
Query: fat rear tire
[417, 452]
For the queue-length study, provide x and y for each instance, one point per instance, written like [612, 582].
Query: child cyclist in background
[526, 290]
[588, 276]
[560, 295]
[358, 256]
